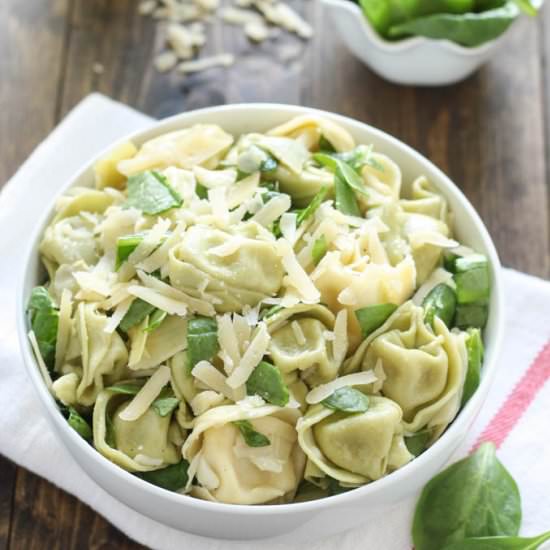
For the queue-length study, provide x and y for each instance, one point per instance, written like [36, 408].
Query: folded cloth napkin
[515, 415]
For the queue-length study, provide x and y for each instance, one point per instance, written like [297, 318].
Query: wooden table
[490, 134]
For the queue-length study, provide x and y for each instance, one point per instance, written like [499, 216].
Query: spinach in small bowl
[469, 23]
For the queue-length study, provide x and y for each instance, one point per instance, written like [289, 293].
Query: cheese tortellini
[256, 319]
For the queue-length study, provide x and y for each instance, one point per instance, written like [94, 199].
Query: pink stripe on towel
[518, 401]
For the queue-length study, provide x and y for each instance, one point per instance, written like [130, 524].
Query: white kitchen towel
[515, 415]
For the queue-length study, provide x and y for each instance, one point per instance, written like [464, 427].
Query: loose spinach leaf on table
[252, 437]
[202, 340]
[267, 382]
[44, 318]
[171, 478]
[475, 497]
[348, 400]
[151, 193]
[500, 543]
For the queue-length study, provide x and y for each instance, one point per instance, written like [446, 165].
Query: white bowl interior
[300, 521]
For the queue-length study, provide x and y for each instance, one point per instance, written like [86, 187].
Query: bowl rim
[461, 421]
[405, 44]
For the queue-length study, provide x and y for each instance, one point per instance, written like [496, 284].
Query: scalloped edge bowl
[290, 522]
[414, 61]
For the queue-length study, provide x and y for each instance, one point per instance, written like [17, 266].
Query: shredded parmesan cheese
[252, 356]
[209, 375]
[205, 401]
[318, 394]
[146, 395]
[229, 344]
[41, 365]
[340, 346]
[160, 301]
[298, 333]
[117, 316]
[222, 60]
[272, 210]
[288, 227]
[297, 276]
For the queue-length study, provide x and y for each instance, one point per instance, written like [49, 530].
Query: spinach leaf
[78, 424]
[171, 478]
[372, 318]
[110, 438]
[201, 191]
[250, 435]
[325, 146]
[471, 316]
[151, 193]
[347, 399]
[202, 340]
[473, 280]
[440, 302]
[417, 443]
[345, 199]
[475, 497]
[266, 313]
[319, 249]
[334, 487]
[468, 29]
[267, 382]
[125, 246]
[44, 318]
[127, 388]
[500, 543]
[474, 346]
[136, 314]
[155, 320]
[312, 207]
[165, 405]
[344, 170]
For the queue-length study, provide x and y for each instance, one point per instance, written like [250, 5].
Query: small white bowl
[414, 61]
[301, 521]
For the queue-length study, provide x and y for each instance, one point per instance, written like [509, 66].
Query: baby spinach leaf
[472, 279]
[500, 543]
[165, 405]
[44, 318]
[78, 424]
[345, 199]
[344, 170]
[347, 399]
[110, 438]
[155, 320]
[202, 340]
[127, 388]
[474, 346]
[250, 435]
[468, 29]
[136, 314]
[417, 443]
[475, 497]
[151, 193]
[325, 146]
[334, 487]
[267, 382]
[319, 249]
[312, 207]
[440, 302]
[372, 318]
[471, 316]
[171, 478]
[266, 313]
[125, 246]
[201, 191]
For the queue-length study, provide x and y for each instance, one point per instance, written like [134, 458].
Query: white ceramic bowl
[302, 521]
[414, 61]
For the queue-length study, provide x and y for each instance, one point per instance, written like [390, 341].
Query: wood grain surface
[491, 134]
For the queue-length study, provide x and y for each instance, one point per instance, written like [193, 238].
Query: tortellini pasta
[246, 319]
[355, 448]
[229, 470]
